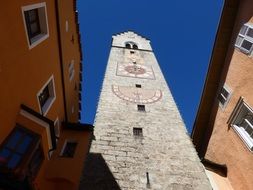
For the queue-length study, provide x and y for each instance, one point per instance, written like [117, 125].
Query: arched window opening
[128, 45]
[135, 46]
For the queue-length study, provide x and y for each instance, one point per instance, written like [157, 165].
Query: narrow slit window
[137, 132]
[141, 108]
[137, 85]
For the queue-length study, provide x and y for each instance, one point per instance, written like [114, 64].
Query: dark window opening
[44, 96]
[69, 149]
[132, 52]
[137, 85]
[223, 96]
[137, 132]
[141, 108]
[32, 23]
[135, 46]
[128, 45]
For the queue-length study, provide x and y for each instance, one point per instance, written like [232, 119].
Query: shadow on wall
[97, 175]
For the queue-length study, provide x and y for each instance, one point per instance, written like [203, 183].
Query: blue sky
[182, 34]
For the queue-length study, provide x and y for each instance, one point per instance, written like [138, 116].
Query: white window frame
[238, 115]
[42, 11]
[229, 91]
[244, 37]
[46, 107]
[71, 70]
[57, 128]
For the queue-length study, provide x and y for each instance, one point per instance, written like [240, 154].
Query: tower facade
[139, 133]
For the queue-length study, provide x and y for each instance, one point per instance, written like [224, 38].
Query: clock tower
[140, 141]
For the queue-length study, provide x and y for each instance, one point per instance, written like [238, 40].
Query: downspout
[61, 58]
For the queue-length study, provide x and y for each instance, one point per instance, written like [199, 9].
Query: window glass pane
[24, 145]
[243, 29]
[5, 153]
[13, 162]
[33, 15]
[250, 32]
[249, 130]
[246, 45]
[34, 28]
[239, 40]
[224, 92]
[222, 99]
[13, 140]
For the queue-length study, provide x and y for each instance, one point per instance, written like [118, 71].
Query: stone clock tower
[140, 139]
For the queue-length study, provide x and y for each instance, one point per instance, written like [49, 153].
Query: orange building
[223, 129]
[42, 143]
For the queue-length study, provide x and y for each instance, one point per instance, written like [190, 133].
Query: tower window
[132, 52]
[137, 85]
[128, 45]
[135, 46]
[137, 132]
[141, 108]
[131, 45]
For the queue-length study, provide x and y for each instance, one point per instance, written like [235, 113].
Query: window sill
[37, 40]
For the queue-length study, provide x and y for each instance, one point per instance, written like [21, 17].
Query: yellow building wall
[24, 71]
[225, 146]
[71, 51]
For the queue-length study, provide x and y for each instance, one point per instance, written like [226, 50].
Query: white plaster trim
[41, 37]
[41, 123]
[57, 125]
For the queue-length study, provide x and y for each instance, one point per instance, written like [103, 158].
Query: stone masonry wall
[165, 151]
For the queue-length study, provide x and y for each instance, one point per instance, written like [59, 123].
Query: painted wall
[225, 146]
[24, 71]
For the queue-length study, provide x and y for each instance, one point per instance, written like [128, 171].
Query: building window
[36, 24]
[131, 45]
[242, 122]
[69, 148]
[135, 46]
[224, 96]
[71, 70]
[20, 144]
[244, 41]
[137, 132]
[128, 45]
[132, 52]
[137, 85]
[46, 96]
[141, 108]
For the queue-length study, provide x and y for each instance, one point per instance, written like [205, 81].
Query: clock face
[135, 70]
[137, 95]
